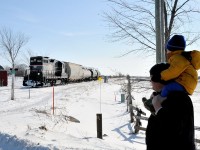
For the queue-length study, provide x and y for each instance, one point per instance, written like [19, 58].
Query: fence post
[122, 98]
[138, 122]
[130, 99]
[105, 79]
[99, 126]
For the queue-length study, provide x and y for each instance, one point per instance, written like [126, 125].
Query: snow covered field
[29, 123]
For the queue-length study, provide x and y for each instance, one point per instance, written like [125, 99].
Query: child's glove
[148, 104]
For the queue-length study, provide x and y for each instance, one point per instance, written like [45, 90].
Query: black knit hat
[156, 70]
[177, 42]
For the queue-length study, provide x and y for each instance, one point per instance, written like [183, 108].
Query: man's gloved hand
[157, 101]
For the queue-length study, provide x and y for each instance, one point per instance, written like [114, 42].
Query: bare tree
[11, 45]
[21, 70]
[26, 56]
[135, 22]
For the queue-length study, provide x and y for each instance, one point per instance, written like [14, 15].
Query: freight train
[45, 71]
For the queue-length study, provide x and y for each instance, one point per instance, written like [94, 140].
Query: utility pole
[163, 57]
[159, 24]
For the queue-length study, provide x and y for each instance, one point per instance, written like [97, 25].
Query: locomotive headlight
[38, 74]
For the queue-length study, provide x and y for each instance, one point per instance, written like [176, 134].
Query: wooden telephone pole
[160, 35]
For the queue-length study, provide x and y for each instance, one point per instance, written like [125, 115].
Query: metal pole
[100, 96]
[29, 87]
[29, 92]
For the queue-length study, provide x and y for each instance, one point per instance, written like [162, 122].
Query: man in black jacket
[171, 127]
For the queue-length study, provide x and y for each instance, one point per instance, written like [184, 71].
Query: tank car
[87, 74]
[93, 73]
[98, 73]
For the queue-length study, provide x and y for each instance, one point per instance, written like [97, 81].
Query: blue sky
[71, 30]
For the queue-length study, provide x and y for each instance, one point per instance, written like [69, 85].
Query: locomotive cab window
[45, 61]
[33, 60]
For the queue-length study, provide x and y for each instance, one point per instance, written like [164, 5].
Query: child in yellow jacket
[181, 70]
